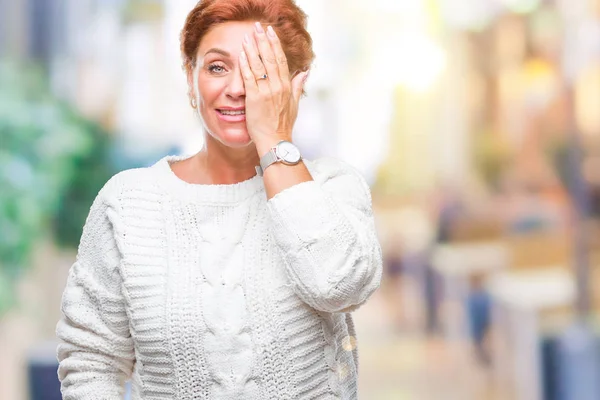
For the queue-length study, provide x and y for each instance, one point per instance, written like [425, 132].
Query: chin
[234, 138]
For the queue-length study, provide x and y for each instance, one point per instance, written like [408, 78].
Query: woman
[199, 278]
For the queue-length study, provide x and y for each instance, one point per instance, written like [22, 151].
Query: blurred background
[476, 123]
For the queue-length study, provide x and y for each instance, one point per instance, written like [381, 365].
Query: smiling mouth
[232, 112]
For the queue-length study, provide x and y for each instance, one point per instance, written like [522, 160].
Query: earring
[193, 103]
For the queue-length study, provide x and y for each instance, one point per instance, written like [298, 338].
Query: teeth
[241, 112]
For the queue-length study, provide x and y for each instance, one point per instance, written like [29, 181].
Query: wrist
[264, 145]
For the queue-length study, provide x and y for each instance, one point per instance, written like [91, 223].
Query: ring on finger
[264, 76]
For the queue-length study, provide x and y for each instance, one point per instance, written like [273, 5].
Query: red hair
[286, 18]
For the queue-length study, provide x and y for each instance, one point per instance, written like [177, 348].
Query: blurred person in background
[393, 267]
[230, 273]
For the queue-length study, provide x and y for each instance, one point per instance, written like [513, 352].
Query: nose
[235, 88]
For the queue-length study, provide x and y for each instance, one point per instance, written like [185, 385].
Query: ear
[298, 85]
[190, 82]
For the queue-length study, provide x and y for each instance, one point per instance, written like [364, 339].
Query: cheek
[209, 90]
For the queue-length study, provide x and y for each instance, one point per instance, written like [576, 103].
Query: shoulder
[327, 168]
[330, 166]
[138, 181]
[340, 175]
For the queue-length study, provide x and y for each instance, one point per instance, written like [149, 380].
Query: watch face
[288, 152]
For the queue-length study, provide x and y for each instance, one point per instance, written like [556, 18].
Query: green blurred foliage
[53, 162]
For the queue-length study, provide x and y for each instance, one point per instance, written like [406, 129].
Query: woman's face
[217, 83]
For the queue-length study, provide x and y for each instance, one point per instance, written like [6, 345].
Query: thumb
[298, 84]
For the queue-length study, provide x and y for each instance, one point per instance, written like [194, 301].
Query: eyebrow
[218, 51]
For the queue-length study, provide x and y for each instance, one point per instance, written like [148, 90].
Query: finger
[284, 71]
[256, 65]
[268, 58]
[249, 79]
[298, 85]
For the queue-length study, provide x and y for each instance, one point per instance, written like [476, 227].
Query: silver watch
[284, 152]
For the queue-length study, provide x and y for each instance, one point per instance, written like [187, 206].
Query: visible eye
[216, 69]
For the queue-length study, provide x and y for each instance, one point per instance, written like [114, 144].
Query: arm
[325, 231]
[96, 354]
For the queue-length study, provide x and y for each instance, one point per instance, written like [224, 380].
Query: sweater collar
[210, 193]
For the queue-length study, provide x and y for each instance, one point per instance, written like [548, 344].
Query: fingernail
[270, 31]
[259, 27]
[246, 39]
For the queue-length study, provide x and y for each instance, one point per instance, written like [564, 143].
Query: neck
[225, 165]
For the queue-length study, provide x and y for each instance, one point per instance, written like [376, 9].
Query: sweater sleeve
[96, 353]
[326, 234]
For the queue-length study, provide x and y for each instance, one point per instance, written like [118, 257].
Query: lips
[231, 114]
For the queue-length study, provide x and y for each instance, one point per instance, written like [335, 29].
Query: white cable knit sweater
[213, 292]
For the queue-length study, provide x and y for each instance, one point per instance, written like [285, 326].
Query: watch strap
[266, 160]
